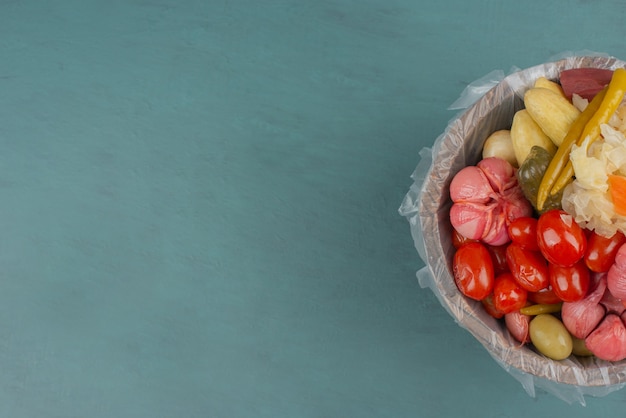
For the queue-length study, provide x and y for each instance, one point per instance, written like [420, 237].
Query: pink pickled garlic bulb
[486, 197]
[499, 172]
[516, 205]
[496, 233]
[470, 184]
[612, 304]
[469, 219]
[581, 317]
[616, 277]
[518, 325]
[608, 340]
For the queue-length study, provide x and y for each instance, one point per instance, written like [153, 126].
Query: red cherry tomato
[508, 295]
[523, 231]
[601, 251]
[561, 240]
[545, 296]
[498, 256]
[458, 240]
[490, 307]
[529, 268]
[473, 270]
[571, 283]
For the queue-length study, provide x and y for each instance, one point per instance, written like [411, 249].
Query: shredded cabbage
[588, 198]
[579, 102]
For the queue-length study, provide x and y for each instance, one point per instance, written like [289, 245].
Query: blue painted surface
[199, 204]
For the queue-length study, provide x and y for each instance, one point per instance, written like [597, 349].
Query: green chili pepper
[541, 309]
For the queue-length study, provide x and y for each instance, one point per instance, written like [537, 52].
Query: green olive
[579, 348]
[550, 337]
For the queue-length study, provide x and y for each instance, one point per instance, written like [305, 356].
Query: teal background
[199, 204]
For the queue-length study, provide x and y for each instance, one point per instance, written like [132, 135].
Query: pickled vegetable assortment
[539, 224]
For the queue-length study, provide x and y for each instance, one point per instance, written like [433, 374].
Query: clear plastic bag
[490, 103]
